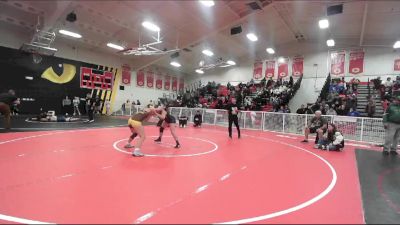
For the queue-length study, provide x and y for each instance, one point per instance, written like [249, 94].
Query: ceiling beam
[284, 21]
[364, 21]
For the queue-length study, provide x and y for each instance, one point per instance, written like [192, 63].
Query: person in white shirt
[108, 107]
[388, 83]
[76, 102]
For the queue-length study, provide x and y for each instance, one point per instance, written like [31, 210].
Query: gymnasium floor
[81, 175]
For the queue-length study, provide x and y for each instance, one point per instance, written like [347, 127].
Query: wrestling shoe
[137, 154]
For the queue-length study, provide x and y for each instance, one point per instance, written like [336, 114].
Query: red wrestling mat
[86, 176]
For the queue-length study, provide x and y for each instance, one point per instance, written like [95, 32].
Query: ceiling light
[28, 77]
[397, 44]
[150, 26]
[281, 60]
[208, 52]
[176, 64]
[118, 47]
[208, 3]
[199, 71]
[69, 33]
[230, 62]
[271, 51]
[323, 24]
[252, 37]
[330, 43]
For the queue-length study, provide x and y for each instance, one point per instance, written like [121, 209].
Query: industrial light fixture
[281, 60]
[28, 77]
[208, 52]
[397, 44]
[199, 71]
[323, 23]
[114, 46]
[69, 33]
[230, 62]
[252, 37]
[176, 64]
[208, 3]
[151, 26]
[270, 51]
[330, 43]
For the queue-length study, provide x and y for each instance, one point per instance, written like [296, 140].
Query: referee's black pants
[233, 119]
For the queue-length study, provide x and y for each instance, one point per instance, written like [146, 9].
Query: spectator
[301, 110]
[391, 121]
[183, 120]
[317, 124]
[138, 102]
[197, 119]
[354, 84]
[385, 105]
[286, 109]
[325, 137]
[353, 112]
[6, 100]
[76, 102]
[370, 108]
[66, 105]
[331, 111]
[341, 111]
[388, 84]
[108, 107]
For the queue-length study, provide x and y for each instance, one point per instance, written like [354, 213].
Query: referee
[233, 112]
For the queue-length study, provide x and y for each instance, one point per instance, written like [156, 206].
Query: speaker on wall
[236, 30]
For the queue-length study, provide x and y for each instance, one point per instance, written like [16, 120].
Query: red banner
[174, 83]
[96, 79]
[167, 82]
[397, 64]
[140, 78]
[181, 84]
[126, 74]
[356, 63]
[337, 63]
[159, 81]
[257, 72]
[150, 79]
[297, 66]
[270, 70]
[283, 68]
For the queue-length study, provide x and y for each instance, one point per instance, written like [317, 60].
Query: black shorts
[170, 119]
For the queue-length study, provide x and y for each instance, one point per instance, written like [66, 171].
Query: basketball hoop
[37, 58]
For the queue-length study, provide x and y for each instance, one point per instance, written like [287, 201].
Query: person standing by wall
[108, 107]
[6, 101]
[391, 122]
[76, 102]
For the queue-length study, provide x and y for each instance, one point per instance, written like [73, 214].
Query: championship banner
[159, 81]
[257, 72]
[140, 78]
[397, 64]
[174, 84]
[126, 74]
[167, 82]
[181, 84]
[150, 79]
[337, 63]
[270, 69]
[283, 68]
[297, 66]
[356, 63]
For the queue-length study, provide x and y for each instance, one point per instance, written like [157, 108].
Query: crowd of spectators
[384, 90]
[341, 99]
[266, 95]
